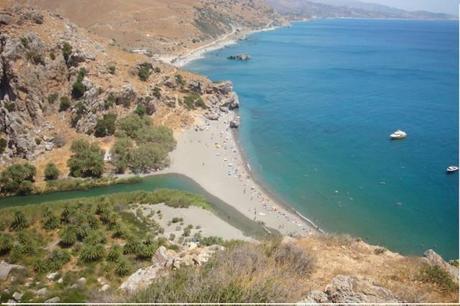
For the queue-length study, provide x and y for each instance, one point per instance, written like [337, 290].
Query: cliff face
[162, 27]
[57, 80]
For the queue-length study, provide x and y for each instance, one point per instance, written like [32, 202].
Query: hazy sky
[444, 6]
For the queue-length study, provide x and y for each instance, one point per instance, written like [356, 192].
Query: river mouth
[180, 182]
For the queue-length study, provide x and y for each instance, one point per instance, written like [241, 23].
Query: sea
[319, 100]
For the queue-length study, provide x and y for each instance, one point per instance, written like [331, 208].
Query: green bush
[130, 124]
[49, 220]
[3, 144]
[95, 237]
[57, 259]
[112, 69]
[83, 230]
[64, 104]
[180, 80]
[122, 267]
[25, 188]
[193, 101]
[87, 159]
[207, 241]
[109, 101]
[105, 126]
[68, 236]
[66, 51]
[6, 243]
[156, 92]
[52, 98]
[115, 253]
[19, 221]
[436, 275]
[78, 88]
[92, 252]
[148, 157]
[16, 175]
[51, 172]
[161, 135]
[144, 72]
[140, 110]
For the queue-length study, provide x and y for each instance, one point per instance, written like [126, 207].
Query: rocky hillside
[162, 27]
[58, 80]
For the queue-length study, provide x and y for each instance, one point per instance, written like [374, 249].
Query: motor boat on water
[398, 135]
[452, 169]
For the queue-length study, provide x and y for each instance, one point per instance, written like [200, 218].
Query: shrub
[83, 230]
[140, 110]
[15, 175]
[161, 135]
[19, 221]
[131, 246]
[95, 237]
[66, 51]
[145, 251]
[115, 253]
[148, 157]
[109, 101]
[87, 159]
[105, 126]
[122, 267]
[25, 188]
[112, 69]
[57, 259]
[3, 144]
[51, 172]
[144, 71]
[193, 101]
[40, 266]
[65, 104]
[49, 220]
[156, 92]
[180, 80]
[78, 88]
[92, 252]
[207, 241]
[52, 98]
[436, 275]
[6, 243]
[68, 236]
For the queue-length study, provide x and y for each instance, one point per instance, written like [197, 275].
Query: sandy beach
[208, 154]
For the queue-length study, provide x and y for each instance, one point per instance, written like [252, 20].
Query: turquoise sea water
[318, 102]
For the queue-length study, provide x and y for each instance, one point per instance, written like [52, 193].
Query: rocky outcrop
[6, 268]
[349, 289]
[165, 260]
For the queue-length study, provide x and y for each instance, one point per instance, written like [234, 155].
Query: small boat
[398, 135]
[452, 169]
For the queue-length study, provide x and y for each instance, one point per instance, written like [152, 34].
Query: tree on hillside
[87, 159]
[51, 172]
[17, 178]
[148, 157]
[105, 126]
[121, 154]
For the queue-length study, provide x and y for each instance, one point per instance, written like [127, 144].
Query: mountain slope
[356, 9]
[158, 26]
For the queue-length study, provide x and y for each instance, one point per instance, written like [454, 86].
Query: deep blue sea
[318, 103]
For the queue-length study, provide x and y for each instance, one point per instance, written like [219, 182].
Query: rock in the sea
[350, 289]
[434, 259]
[235, 123]
[239, 57]
[6, 268]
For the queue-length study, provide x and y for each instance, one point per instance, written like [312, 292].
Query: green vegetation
[52, 98]
[193, 101]
[141, 147]
[112, 69]
[3, 145]
[242, 273]
[78, 88]
[17, 179]
[106, 125]
[80, 238]
[144, 71]
[87, 159]
[69, 184]
[180, 80]
[65, 104]
[66, 51]
[51, 172]
[436, 275]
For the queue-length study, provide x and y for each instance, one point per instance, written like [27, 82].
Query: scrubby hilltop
[162, 27]
[59, 83]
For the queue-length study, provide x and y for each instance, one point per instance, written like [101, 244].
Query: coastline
[209, 154]
[226, 40]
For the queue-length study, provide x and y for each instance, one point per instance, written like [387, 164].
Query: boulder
[141, 278]
[212, 116]
[42, 292]
[104, 288]
[434, 259]
[55, 299]
[5, 18]
[196, 87]
[223, 88]
[235, 123]
[17, 296]
[350, 289]
[126, 96]
[6, 268]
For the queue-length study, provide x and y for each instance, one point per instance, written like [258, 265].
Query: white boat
[398, 135]
[452, 169]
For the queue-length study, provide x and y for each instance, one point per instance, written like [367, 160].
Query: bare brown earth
[159, 26]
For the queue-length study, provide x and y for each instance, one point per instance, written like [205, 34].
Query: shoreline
[208, 153]
[228, 39]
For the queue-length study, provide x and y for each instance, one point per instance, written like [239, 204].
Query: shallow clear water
[318, 102]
